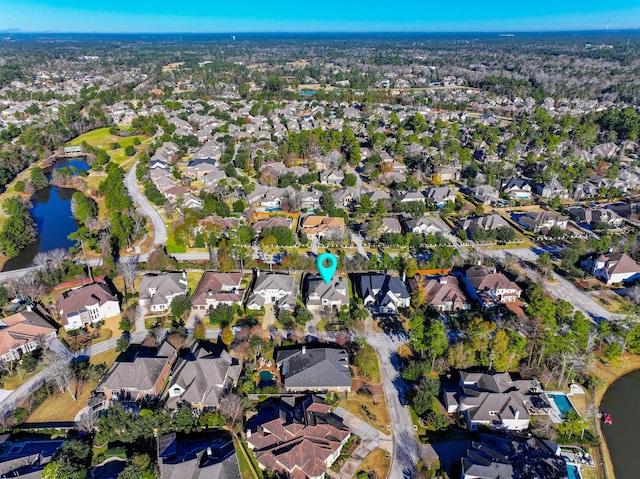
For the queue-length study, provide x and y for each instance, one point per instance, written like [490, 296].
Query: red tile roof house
[297, 437]
[443, 293]
[22, 333]
[141, 374]
[215, 289]
[86, 305]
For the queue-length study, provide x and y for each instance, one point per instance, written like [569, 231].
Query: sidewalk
[371, 438]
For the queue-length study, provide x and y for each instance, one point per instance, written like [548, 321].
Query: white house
[86, 305]
[612, 268]
[273, 289]
[158, 290]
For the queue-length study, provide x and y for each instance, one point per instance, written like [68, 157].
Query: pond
[621, 401]
[51, 211]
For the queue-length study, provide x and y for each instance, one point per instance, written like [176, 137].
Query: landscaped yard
[378, 461]
[375, 404]
[193, 278]
[61, 406]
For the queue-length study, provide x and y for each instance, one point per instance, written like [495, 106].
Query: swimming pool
[266, 375]
[562, 401]
[573, 471]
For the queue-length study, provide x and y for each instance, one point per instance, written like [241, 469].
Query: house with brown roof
[215, 289]
[271, 222]
[22, 333]
[298, 437]
[86, 305]
[323, 227]
[141, 372]
[490, 287]
[443, 293]
[612, 268]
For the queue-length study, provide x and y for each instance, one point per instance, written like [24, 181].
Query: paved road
[559, 287]
[159, 228]
[405, 446]
[9, 402]
[357, 239]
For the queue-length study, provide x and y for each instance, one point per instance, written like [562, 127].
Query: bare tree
[42, 261]
[88, 419]
[158, 333]
[28, 287]
[59, 371]
[104, 242]
[231, 408]
[7, 366]
[128, 268]
[58, 256]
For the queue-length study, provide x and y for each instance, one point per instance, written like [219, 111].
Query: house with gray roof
[496, 400]
[382, 292]
[200, 167]
[510, 457]
[274, 289]
[202, 376]
[158, 290]
[201, 455]
[488, 222]
[322, 296]
[439, 195]
[423, 226]
[307, 368]
[331, 177]
[141, 372]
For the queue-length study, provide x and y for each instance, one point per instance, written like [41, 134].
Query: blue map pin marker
[327, 272]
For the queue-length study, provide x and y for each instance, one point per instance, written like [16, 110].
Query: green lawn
[61, 406]
[13, 381]
[101, 138]
[247, 469]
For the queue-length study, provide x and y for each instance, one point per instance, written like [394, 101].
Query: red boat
[606, 418]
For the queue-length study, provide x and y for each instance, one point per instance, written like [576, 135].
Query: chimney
[517, 414]
[443, 280]
[304, 349]
[479, 262]
[248, 434]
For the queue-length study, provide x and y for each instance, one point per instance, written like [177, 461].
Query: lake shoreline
[610, 374]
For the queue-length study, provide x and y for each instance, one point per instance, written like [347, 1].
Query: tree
[38, 178]
[222, 315]
[544, 264]
[231, 408]
[435, 338]
[180, 307]
[130, 150]
[128, 268]
[349, 180]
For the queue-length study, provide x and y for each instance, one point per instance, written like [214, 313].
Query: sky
[236, 16]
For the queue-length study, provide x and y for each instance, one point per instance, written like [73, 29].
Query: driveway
[406, 451]
[269, 319]
[159, 228]
[357, 239]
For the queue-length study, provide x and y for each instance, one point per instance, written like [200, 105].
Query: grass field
[378, 461]
[13, 381]
[108, 357]
[61, 406]
[101, 138]
[193, 278]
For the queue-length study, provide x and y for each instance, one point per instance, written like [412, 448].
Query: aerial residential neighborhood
[166, 205]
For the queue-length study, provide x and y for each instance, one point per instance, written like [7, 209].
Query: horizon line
[333, 32]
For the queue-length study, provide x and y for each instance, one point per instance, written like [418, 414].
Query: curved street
[159, 228]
